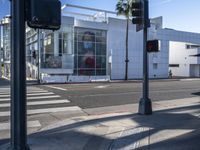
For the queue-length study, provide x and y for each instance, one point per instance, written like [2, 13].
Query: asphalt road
[110, 94]
[49, 103]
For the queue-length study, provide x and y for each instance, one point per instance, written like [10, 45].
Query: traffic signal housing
[140, 14]
[44, 14]
[137, 12]
[153, 46]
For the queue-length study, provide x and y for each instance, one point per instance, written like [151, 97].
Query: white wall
[116, 42]
[160, 58]
[178, 36]
[182, 56]
[178, 54]
[194, 70]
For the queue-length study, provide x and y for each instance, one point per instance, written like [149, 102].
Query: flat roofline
[86, 13]
[183, 31]
[87, 8]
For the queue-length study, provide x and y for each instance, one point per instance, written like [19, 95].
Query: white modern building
[92, 47]
[5, 44]
[85, 50]
[184, 50]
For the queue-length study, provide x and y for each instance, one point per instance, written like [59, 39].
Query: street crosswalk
[39, 101]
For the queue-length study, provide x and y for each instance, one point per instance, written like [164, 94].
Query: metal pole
[38, 55]
[4, 71]
[145, 106]
[1, 53]
[18, 77]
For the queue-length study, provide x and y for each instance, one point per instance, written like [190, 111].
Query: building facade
[6, 48]
[183, 47]
[85, 50]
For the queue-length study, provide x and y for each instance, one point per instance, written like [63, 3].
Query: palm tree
[123, 7]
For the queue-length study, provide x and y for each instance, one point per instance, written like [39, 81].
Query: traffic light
[44, 14]
[137, 12]
[153, 46]
[140, 14]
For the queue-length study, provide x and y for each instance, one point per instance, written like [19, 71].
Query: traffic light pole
[18, 77]
[1, 52]
[38, 56]
[145, 106]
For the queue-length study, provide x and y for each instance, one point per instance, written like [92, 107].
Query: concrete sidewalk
[174, 125]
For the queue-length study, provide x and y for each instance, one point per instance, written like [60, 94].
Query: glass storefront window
[49, 58]
[49, 44]
[101, 49]
[100, 39]
[6, 41]
[86, 47]
[88, 72]
[101, 62]
[90, 52]
[58, 49]
[51, 61]
[64, 43]
[86, 61]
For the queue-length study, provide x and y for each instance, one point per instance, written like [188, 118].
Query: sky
[177, 14]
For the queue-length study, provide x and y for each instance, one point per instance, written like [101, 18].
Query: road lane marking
[40, 103]
[102, 86]
[47, 110]
[30, 124]
[57, 88]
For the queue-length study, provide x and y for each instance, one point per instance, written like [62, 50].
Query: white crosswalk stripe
[32, 94]
[31, 98]
[47, 110]
[28, 91]
[30, 124]
[8, 92]
[39, 101]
